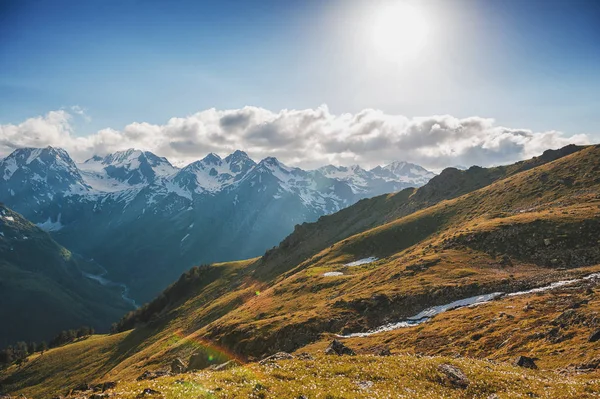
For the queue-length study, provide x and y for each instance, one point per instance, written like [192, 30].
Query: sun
[400, 31]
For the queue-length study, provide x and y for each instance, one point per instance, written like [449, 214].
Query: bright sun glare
[400, 31]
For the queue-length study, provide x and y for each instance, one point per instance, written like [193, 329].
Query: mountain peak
[211, 158]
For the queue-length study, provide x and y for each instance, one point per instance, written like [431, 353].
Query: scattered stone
[177, 366]
[365, 384]
[276, 357]
[338, 348]
[594, 336]
[82, 387]
[151, 375]
[524, 361]
[226, 366]
[109, 385]
[384, 352]
[453, 375]
[305, 356]
[150, 392]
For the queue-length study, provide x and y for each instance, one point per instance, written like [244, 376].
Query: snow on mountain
[379, 180]
[404, 172]
[212, 174]
[39, 173]
[123, 169]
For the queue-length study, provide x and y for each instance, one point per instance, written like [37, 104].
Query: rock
[594, 336]
[524, 361]
[82, 387]
[276, 357]
[99, 396]
[453, 375]
[150, 392]
[226, 366]
[547, 241]
[201, 360]
[178, 366]
[338, 348]
[108, 385]
[305, 356]
[384, 352]
[365, 384]
[150, 375]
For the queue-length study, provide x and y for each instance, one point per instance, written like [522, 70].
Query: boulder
[276, 357]
[338, 348]
[594, 336]
[384, 352]
[453, 376]
[524, 361]
[178, 366]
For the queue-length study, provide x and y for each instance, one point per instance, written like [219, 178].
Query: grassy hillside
[42, 289]
[466, 233]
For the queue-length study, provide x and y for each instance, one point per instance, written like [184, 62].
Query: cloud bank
[307, 138]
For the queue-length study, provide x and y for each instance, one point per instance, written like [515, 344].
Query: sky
[436, 82]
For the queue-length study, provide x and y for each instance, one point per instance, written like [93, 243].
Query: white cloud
[307, 138]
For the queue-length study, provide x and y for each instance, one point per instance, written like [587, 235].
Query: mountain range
[146, 221]
[482, 283]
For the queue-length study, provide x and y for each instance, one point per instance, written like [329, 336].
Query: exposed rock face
[453, 375]
[338, 348]
[567, 245]
[524, 361]
[178, 366]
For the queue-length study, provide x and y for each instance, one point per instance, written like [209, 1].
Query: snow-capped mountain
[33, 178]
[379, 180]
[124, 169]
[146, 221]
[212, 174]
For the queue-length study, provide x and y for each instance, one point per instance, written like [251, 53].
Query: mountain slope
[146, 221]
[43, 289]
[513, 228]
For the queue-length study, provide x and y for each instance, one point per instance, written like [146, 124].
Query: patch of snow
[184, 238]
[364, 261]
[49, 225]
[332, 274]
[428, 313]
[9, 218]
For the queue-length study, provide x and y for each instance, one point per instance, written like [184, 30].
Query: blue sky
[528, 64]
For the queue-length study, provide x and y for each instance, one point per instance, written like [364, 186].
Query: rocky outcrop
[178, 366]
[526, 362]
[545, 243]
[338, 348]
